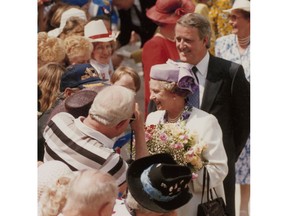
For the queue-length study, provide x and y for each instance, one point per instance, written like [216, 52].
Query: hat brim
[102, 39]
[136, 189]
[237, 8]
[55, 32]
[92, 81]
[154, 15]
[170, 18]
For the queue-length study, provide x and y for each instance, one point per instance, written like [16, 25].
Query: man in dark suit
[224, 91]
[132, 14]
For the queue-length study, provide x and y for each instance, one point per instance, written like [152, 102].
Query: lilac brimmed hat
[177, 72]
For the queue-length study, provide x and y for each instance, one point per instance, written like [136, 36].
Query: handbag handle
[209, 198]
[205, 172]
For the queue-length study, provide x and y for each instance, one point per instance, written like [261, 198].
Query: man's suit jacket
[227, 97]
[147, 29]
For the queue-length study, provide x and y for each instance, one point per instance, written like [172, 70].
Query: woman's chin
[159, 107]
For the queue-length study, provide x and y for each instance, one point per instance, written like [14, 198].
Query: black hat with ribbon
[158, 183]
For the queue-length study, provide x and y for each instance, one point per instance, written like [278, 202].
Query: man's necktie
[193, 99]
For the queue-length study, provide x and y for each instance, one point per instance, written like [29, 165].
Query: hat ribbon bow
[186, 79]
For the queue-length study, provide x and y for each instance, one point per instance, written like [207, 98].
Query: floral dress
[226, 47]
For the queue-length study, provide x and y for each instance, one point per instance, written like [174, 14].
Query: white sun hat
[72, 12]
[96, 31]
[239, 4]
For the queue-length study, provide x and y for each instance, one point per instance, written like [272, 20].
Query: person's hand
[137, 55]
[138, 122]
[139, 130]
[134, 37]
[39, 163]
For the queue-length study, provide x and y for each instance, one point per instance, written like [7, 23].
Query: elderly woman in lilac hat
[170, 85]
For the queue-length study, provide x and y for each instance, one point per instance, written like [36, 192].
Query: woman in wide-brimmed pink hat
[162, 45]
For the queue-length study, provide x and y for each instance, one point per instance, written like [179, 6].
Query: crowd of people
[93, 157]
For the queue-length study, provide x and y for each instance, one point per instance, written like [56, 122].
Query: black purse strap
[131, 145]
[205, 172]
[208, 190]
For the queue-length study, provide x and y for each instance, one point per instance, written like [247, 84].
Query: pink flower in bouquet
[175, 139]
[163, 137]
[147, 137]
[177, 146]
[184, 138]
[194, 175]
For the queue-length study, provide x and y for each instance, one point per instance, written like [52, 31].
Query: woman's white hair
[90, 190]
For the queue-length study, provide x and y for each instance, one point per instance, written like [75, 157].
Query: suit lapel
[210, 92]
[212, 84]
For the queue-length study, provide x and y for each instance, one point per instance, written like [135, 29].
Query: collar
[202, 66]
[107, 142]
[97, 65]
[102, 68]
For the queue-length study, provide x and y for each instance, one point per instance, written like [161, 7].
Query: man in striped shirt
[86, 142]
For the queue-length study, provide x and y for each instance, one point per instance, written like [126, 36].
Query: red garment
[157, 50]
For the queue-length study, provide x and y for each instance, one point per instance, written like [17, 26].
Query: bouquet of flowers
[185, 147]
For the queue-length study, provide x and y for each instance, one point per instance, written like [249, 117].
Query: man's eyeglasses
[132, 119]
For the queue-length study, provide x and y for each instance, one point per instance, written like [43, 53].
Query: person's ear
[205, 41]
[68, 92]
[120, 124]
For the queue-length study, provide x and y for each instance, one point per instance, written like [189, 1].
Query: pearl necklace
[183, 116]
[173, 120]
[243, 42]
